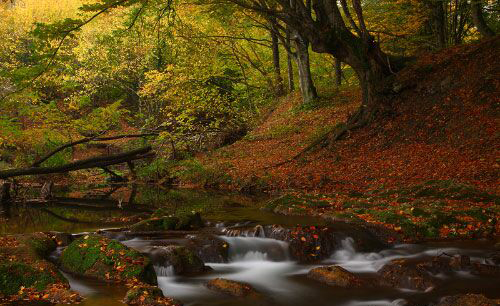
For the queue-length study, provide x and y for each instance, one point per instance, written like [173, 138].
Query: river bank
[241, 240]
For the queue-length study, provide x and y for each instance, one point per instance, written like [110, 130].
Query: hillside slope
[427, 171]
[444, 127]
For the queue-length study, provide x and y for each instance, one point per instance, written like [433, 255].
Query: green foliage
[154, 170]
[195, 172]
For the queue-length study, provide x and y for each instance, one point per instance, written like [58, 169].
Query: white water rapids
[265, 264]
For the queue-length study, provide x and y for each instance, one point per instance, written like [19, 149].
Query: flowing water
[262, 262]
[265, 264]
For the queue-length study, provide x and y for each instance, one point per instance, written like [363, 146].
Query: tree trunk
[338, 72]
[278, 80]
[306, 84]
[4, 193]
[94, 162]
[478, 19]
[291, 85]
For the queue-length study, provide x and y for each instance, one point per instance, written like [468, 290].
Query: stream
[263, 262]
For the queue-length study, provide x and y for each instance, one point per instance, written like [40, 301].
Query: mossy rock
[181, 259]
[157, 224]
[25, 274]
[187, 221]
[143, 294]
[105, 259]
[41, 244]
[14, 275]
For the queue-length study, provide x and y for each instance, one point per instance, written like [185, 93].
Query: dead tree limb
[94, 162]
[85, 140]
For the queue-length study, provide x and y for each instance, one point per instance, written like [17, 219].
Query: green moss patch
[105, 259]
[25, 274]
[163, 222]
[297, 204]
[15, 275]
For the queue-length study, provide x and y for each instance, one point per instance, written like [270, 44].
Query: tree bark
[338, 72]
[4, 193]
[478, 19]
[307, 88]
[320, 23]
[86, 140]
[438, 22]
[278, 80]
[291, 85]
[95, 162]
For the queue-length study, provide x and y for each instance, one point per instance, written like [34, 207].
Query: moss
[449, 189]
[159, 224]
[105, 259]
[189, 221]
[40, 244]
[161, 212]
[184, 221]
[296, 202]
[13, 275]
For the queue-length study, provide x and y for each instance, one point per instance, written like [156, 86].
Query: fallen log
[85, 140]
[94, 162]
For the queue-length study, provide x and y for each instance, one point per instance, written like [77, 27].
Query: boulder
[147, 295]
[188, 221]
[25, 274]
[467, 300]
[338, 277]
[61, 239]
[105, 259]
[233, 288]
[180, 258]
[442, 264]
[209, 248]
[460, 262]
[306, 244]
[485, 270]
[403, 273]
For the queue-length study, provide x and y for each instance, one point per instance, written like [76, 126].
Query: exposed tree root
[361, 118]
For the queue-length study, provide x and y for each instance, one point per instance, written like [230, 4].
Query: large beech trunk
[344, 35]
[358, 50]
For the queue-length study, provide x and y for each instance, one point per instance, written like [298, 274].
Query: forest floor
[429, 170]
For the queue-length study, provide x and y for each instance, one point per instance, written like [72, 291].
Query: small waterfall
[56, 254]
[256, 249]
[166, 271]
[257, 231]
